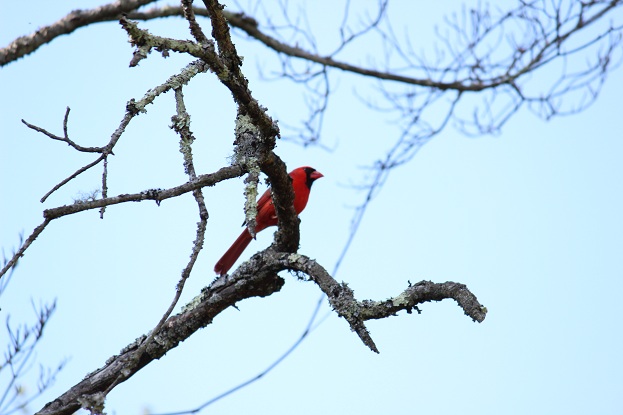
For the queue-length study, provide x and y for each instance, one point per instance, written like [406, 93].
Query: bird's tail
[233, 253]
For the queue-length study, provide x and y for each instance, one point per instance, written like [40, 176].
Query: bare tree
[481, 75]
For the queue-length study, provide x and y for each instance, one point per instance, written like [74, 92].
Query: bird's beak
[316, 175]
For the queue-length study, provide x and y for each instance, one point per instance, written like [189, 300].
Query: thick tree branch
[234, 79]
[254, 278]
[222, 293]
[189, 15]
[257, 142]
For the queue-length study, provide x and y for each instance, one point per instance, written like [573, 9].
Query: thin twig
[22, 249]
[181, 124]
[66, 138]
[71, 177]
[133, 108]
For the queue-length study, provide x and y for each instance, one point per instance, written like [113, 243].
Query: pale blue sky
[530, 220]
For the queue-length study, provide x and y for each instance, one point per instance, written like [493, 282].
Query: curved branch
[422, 292]
[343, 301]
[250, 27]
[25, 45]
[544, 53]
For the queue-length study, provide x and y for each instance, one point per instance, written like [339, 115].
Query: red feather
[302, 180]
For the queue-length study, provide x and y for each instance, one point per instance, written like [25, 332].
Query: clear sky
[531, 220]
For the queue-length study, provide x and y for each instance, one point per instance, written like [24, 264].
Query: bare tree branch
[343, 301]
[157, 195]
[22, 249]
[133, 108]
[256, 278]
[222, 293]
[65, 138]
[78, 18]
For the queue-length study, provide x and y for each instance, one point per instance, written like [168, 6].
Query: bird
[302, 180]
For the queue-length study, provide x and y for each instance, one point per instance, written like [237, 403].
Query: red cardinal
[302, 180]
